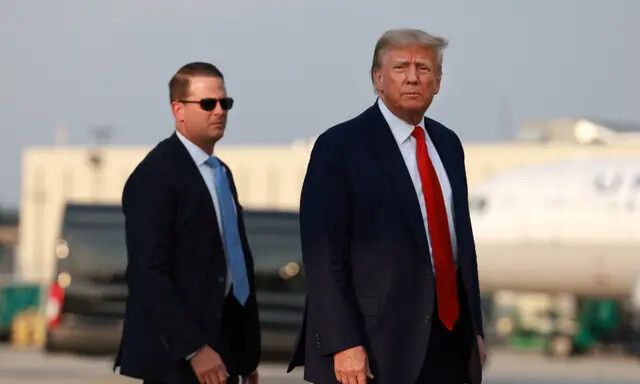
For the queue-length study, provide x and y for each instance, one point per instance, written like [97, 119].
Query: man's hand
[208, 367]
[250, 379]
[351, 366]
[481, 350]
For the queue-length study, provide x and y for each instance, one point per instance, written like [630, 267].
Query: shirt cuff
[193, 354]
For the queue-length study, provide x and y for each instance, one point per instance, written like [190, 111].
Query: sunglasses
[209, 104]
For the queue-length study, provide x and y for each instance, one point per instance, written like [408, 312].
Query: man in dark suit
[393, 293]
[191, 315]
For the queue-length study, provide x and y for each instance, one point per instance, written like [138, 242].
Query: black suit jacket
[365, 250]
[176, 274]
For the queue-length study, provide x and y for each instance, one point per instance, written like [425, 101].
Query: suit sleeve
[469, 239]
[149, 206]
[324, 229]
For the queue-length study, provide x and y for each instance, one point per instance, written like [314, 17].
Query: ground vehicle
[275, 243]
[87, 298]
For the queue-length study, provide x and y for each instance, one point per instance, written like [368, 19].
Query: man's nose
[412, 74]
[218, 109]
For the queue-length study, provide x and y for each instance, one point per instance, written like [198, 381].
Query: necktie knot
[418, 133]
[213, 162]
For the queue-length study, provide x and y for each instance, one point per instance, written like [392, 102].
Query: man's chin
[216, 133]
[215, 137]
[415, 106]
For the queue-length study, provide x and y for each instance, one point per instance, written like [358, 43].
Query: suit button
[221, 279]
[426, 319]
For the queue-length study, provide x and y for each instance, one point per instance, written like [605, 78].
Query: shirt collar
[197, 154]
[400, 129]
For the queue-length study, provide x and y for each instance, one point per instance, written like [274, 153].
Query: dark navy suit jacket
[176, 274]
[366, 256]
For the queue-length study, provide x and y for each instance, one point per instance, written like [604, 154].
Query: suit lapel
[391, 162]
[193, 177]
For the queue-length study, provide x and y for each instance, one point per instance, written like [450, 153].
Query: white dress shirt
[200, 157]
[401, 131]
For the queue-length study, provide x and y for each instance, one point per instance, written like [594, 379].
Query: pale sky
[296, 68]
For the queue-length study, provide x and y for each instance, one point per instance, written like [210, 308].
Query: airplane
[569, 227]
[560, 227]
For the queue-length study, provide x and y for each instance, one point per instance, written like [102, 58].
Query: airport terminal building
[269, 177]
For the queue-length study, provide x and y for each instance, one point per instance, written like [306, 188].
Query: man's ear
[378, 80]
[178, 110]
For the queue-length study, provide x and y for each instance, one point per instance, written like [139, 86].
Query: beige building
[266, 176]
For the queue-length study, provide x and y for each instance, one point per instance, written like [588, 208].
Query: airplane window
[477, 204]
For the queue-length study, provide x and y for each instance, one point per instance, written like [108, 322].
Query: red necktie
[446, 286]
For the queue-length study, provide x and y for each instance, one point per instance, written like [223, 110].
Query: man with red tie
[393, 293]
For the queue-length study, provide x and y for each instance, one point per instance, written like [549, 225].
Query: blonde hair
[397, 38]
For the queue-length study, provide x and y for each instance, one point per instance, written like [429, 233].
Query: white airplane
[569, 227]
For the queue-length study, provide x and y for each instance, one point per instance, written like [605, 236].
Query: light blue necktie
[230, 231]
